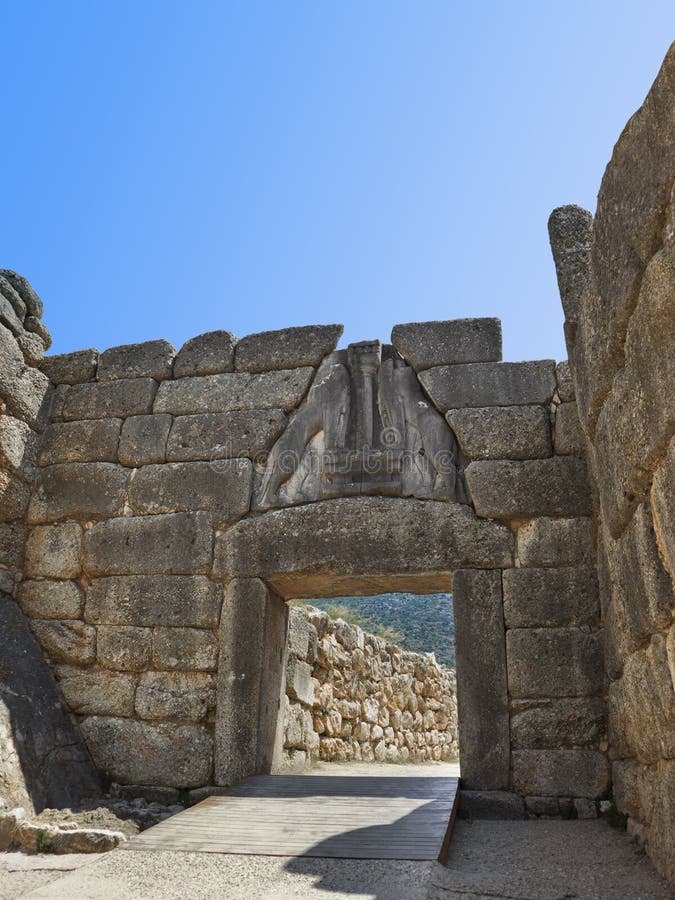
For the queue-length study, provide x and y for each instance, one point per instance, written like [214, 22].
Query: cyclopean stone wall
[353, 696]
[617, 281]
[42, 758]
[162, 543]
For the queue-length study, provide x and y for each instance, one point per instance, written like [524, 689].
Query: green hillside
[423, 623]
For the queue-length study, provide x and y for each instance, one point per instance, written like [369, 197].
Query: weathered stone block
[287, 348]
[306, 542]
[97, 692]
[560, 662]
[12, 542]
[152, 359]
[71, 368]
[570, 231]
[18, 446]
[234, 390]
[490, 384]
[8, 316]
[154, 600]
[250, 673]
[641, 706]
[663, 511]
[538, 487]
[123, 647]
[14, 497]
[206, 354]
[482, 695]
[299, 684]
[555, 542]
[562, 773]
[298, 633]
[223, 487]
[66, 641]
[32, 346]
[58, 400]
[133, 752]
[502, 432]
[7, 579]
[550, 597]
[53, 551]
[634, 786]
[25, 390]
[248, 433]
[188, 696]
[428, 344]
[78, 491]
[103, 400]
[185, 648]
[143, 439]
[662, 831]
[641, 589]
[93, 440]
[33, 304]
[569, 436]
[51, 599]
[177, 543]
[558, 724]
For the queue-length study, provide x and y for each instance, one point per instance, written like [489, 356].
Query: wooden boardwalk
[348, 817]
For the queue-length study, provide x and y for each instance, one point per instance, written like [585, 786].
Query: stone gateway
[159, 508]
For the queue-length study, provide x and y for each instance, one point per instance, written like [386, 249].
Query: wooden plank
[352, 817]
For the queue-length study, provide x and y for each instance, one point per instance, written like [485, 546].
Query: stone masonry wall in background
[353, 696]
[617, 282]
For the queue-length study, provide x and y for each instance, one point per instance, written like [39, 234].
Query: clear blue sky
[172, 167]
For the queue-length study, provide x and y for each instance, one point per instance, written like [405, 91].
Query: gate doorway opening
[369, 679]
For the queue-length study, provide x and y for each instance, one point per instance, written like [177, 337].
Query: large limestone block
[184, 648]
[234, 390]
[78, 491]
[242, 433]
[641, 706]
[361, 537]
[26, 391]
[94, 440]
[51, 599]
[249, 724]
[33, 304]
[634, 787]
[504, 489]
[97, 692]
[152, 359]
[14, 497]
[123, 647]
[502, 432]
[558, 724]
[570, 230]
[490, 384]
[663, 508]
[143, 600]
[553, 662]
[299, 684]
[298, 632]
[143, 439]
[71, 368]
[53, 551]
[172, 544]
[108, 399]
[561, 773]
[551, 597]
[223, 488]
[555, 542]
[133, 752]
[640, 586]
[428, 344]
[19, 446]
[482, 694]
[569, 436]
[287, 348]
[206, 354]
[564, 381]
[633, 198]
[187, 696]
[66, 641]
